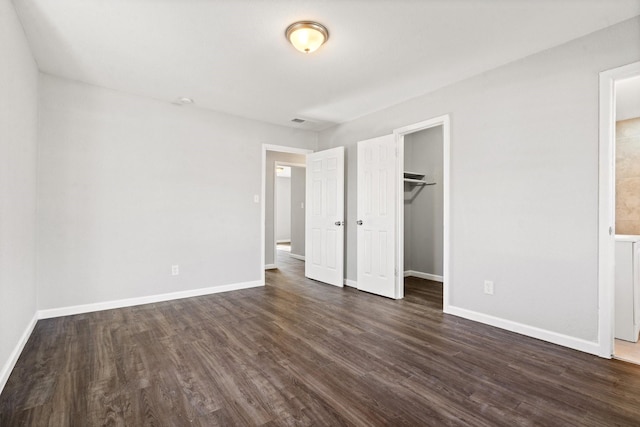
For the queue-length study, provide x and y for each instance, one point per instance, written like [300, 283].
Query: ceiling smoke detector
[183, 101]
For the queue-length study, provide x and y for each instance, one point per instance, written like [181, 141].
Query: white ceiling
[232, 56]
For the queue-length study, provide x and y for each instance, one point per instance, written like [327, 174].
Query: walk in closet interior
[423, 203]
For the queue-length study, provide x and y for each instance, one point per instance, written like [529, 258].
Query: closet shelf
[415, 178]
[413, 175]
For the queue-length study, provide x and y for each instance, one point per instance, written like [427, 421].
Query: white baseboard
[270, 267]
[108, 305]
[351, 283]
[421, 275]
[591, 347]
[296, 256]
[17, 350]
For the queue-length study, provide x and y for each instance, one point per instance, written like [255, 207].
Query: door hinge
[395, 271]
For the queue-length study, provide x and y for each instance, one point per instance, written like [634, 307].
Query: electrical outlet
[175, 270]
[488, 287]
[256, 198]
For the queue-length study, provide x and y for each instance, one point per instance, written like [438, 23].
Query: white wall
[628, 99]
[283, 209]
[18, 134]
[524, 180]
[298, 190]
[130, 186]
[408, 235]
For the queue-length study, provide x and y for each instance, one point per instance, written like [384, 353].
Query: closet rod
[418, 181]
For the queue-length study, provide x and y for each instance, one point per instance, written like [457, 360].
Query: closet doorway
[423, 195]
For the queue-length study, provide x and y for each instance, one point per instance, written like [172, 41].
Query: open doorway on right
[627, 215]
[424, 215]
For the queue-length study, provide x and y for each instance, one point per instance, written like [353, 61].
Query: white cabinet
[627, 288]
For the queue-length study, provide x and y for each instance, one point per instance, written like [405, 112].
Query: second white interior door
[324, 244]
[377, 215]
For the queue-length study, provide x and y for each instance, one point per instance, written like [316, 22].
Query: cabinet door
[624, 298]
[636, 288]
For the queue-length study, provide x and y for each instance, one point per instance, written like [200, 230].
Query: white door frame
[263, 214]
[275, 205]
[606, 208]
[400, 133]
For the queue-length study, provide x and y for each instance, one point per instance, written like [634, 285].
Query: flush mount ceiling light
[307, 36]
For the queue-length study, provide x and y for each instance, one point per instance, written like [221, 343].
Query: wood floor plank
[301, 353]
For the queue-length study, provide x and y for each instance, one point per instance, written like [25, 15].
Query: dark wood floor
[300, 353]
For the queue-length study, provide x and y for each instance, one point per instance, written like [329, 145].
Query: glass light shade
[307, 36]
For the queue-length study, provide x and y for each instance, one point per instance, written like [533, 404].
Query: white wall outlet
[256, 198]
[301, 205]
[488, 287]
[175, 270]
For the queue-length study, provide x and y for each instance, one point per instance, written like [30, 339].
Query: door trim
[400, 133]
[263, 193]
[606, 205]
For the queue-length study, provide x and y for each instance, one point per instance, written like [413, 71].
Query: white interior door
[324, 224]
[377, 215]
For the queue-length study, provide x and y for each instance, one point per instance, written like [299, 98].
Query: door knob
[339, 223]
[359, 222]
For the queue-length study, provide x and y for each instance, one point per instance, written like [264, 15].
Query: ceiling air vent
[298, 120]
